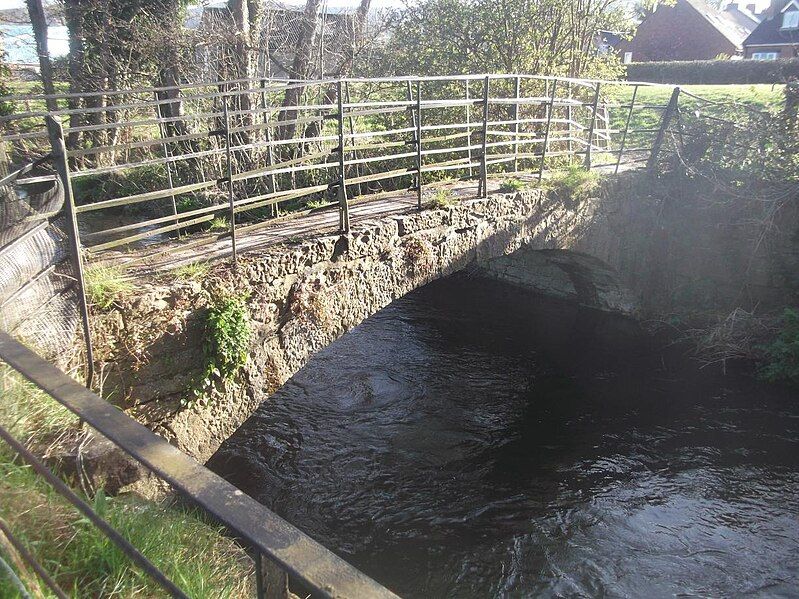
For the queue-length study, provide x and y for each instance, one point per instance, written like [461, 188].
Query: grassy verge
[194, 554]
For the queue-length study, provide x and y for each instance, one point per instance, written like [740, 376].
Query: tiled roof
[770, 32]
[722, 21]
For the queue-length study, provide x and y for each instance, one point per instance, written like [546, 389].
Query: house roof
[723, 22]
[770, 31]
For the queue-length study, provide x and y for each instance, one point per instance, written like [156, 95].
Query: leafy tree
[522, 36]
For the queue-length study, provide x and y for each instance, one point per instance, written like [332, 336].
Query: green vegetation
[782, 355]
[443, 198]
[317, 204]
[219, 224]
[573, 184]
[227, 338]
[194, 554]
[512, 185]
[192, 272]
[105, 284]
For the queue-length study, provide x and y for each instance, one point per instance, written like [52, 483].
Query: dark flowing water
[472, 441]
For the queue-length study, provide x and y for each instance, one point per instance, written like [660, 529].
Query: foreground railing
[266, 534]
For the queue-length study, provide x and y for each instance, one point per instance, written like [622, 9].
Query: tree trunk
[299, 68]
[39, 24]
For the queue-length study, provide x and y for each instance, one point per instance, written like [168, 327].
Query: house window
[790, 20]
[765, 55]
[628, 57]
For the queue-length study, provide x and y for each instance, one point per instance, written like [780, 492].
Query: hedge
[714, 71]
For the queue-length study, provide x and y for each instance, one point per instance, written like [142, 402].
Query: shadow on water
[471, 440]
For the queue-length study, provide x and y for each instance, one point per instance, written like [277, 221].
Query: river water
[474, 441]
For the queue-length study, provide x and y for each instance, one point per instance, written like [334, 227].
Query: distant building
[777, 36]
[690, 30]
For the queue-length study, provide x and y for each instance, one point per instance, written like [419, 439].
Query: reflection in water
[472, 441]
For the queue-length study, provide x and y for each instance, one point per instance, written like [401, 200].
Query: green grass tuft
[105, 284]
[219, 224]
[512, 185]
[573, 184]
[443, 198]
[192, 272]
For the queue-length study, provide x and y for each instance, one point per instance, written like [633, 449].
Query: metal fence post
[591, 127]
[483, 191]
[517, 92]
[344, 211]
[351, 123]
[167, 155]
[270, 154]
[60, 159]
[419, 143]
[570, 124]
[469, 129]
[550, 110]
[626, 129]
[413, 117]
[230, 181]
[661, 134]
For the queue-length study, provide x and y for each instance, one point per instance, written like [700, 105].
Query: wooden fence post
[230, 181]
[626, 128]
[591, 127]
[664, 125]
[483, 190]
[344, 211]
[517, 92]
[550, 110]
[168, 155]
[60, 160]
[419, 144]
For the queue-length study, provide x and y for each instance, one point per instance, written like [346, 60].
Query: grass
[443, 198]
[105, 284]
[192, 272]
[219, 224]
[512, 185]
[193, 553]
[573, 184]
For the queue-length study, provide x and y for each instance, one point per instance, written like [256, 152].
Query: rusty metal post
[626, 128]
[419, 144]
[483, 190]
[517, 92]
[591, 127]
[550, 110]
[167, 155]
[60, 160]
[230, 181]
[344, 210]
[671, 108]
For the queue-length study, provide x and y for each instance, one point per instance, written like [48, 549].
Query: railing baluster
[167, 154]
[270, 153]
[661, 134]
[231, 201]
[517, 91]
[351, 123]
[591, 127]
[344, 211]
[419, 144]
[570, 119]
[550, 109]
[626, 128]
[59, 150]
[483, 190]
[259, 576]
[469, 129]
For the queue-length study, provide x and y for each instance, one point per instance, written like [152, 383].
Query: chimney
[752, 8]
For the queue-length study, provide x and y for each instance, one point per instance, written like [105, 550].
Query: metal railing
[266, 534]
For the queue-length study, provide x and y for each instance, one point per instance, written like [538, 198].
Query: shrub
[105, 284]
[720, 72]
[782, 355]
[227, 339]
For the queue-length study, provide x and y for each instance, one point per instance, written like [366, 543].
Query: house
[777, 36]
[689, 30]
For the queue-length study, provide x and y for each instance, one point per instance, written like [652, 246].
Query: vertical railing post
[351, 123]
[413, 119]
[516, 92]
[60, 160]
[483, 191]
[592, 126]
[419, 144]
[623, 144]
[167, 155]
[469, 129]
[550, 110]
[671, 108]
[344, 211]
[570, 123]
[270, 152]
[259, 576]
[230, 196]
